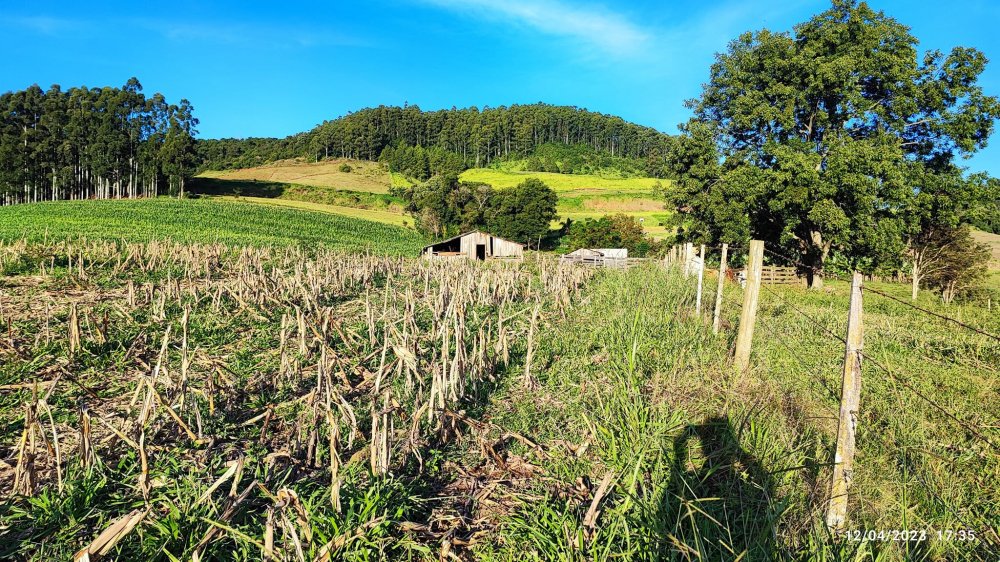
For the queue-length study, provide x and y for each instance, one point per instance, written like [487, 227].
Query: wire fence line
[935, 314]
[900, 387]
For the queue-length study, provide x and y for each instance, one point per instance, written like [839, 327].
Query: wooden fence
[777, 275]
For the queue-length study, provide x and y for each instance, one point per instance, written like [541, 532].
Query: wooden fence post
[850, 394]
[688, 253]
[751, 296]
[717, 314]
[701, 281]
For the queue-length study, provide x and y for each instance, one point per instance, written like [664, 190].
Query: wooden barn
[475, 245]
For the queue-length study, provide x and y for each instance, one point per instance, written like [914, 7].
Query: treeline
[482, 136]
[475, 137]
[85, 143]
[231, 154]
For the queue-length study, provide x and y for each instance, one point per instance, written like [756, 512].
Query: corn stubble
[231, 375]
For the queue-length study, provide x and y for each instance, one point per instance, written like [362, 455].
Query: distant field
[372, 177]
[203, 220]
[560, 182]
[991, 240]
[296, 192]
[362, 193]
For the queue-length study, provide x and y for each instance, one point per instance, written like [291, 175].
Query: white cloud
[597, 27]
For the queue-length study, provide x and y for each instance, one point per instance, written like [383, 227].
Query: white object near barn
[601, 257]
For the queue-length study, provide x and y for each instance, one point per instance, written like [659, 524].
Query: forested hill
[475, 136]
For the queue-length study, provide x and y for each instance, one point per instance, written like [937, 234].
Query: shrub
[346, 168]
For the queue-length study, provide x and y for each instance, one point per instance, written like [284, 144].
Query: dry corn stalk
[74, 330]
[110, 536]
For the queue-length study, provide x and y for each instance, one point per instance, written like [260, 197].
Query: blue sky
[276, 68]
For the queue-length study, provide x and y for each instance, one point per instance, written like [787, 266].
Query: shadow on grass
[719, 495]
[244, 188]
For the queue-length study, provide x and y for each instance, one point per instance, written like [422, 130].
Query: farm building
[603, 257]
[475, 245]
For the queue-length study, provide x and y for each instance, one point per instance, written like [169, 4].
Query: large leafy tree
[523, 213]
[807, 139]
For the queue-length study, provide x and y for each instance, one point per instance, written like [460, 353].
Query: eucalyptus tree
[86, 143]
[815, 134]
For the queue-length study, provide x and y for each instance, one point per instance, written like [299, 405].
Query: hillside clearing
[371, 177]
[580, 196]
[991, 240]
[561, 182]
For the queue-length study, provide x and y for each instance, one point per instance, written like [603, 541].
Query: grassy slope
[327, 189]
[560, 182]
[375, 215]
[202, 221]
[991, 240]
[371, 177]
[723, 467]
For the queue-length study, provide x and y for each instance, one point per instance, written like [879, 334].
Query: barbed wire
[929, 400]
[807, 316]
[932, 313]
[916, 472]
[897, 380]
[784, 343]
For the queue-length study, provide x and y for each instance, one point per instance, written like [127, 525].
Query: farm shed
[475, 245]
[602, 257]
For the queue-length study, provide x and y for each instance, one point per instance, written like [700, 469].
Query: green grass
[726, 467]
[203, 220]
[626, 380]
[374, 215]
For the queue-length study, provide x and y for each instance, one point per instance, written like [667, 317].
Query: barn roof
[468, 233]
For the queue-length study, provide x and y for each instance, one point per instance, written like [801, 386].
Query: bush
[612, 231]
[346, 168]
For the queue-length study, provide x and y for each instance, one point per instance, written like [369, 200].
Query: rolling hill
[364, 191]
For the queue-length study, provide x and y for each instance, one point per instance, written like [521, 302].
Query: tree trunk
[822, 249]
[948, 293]
[915, 281]
[815, 278]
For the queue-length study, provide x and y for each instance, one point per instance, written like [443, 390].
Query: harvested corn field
[211, 402]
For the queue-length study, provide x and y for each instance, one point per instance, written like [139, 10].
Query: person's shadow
[720, 504]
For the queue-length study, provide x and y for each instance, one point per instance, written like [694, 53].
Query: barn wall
[506, 249]
[469, 242]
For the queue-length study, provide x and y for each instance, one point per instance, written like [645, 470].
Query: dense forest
[86, 143]
[475, 137]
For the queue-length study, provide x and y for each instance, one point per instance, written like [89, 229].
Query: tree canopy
[92, 143]
[611, 231]
[458, 138]
[818, 140]
[523, 213]
[444, 206]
